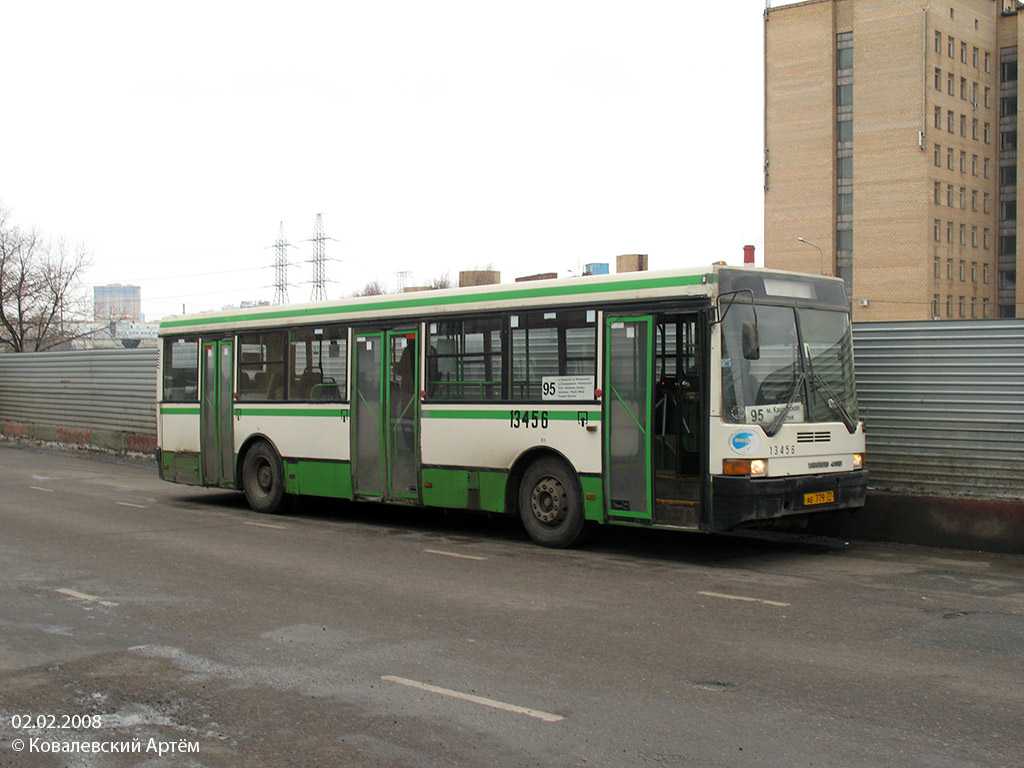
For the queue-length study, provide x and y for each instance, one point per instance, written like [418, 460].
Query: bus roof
[629, 286]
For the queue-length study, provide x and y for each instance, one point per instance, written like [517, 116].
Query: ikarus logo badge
[745, 441]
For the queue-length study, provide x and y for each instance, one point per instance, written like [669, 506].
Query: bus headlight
[858, 461]
[758, 467]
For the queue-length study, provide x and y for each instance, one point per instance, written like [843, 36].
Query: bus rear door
[216, 409]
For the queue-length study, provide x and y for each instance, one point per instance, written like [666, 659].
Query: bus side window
[181, 370]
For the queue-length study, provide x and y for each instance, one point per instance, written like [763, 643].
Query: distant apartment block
[891, 153]
[117, 302]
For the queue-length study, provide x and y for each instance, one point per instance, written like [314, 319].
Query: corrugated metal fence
[943, 404]
[100, 389]
[943, 401]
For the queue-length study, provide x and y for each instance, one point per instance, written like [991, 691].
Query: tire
[263, 480]
[550, 505]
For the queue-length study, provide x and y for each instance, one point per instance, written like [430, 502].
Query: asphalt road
[355, 635]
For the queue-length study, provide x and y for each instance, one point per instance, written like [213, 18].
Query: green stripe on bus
[179, 410]
[334, 413]
[583, 288]
[429, 413]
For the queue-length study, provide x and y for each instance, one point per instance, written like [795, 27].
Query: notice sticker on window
[567, 388]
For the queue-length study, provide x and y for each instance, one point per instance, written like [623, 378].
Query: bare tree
[372, 288]
[444, 281]
[41, 298]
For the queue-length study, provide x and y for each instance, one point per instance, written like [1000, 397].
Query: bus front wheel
[263, 479]
[550, 505]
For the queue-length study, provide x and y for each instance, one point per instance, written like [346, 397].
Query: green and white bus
[707, 400]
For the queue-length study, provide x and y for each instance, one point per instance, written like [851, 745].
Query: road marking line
[128, 504]
[545, 716]
[268, 525]
[37, 488]
[744, 599]
[453, 554]
[83, 596]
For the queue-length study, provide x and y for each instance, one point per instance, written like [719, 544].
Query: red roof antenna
[748, 255]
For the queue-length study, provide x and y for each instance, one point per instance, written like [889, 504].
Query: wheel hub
[548, 501]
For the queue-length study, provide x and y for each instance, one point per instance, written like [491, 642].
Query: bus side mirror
[751, 341]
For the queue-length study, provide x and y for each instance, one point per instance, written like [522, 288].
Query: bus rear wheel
[550, 505]
[263, 479]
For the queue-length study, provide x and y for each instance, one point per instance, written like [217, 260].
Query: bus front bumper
[739, 500]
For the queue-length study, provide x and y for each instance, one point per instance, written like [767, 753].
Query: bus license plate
[822, 497]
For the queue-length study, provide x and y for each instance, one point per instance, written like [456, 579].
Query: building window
[984, 202]
[935, 306]
[938, 80]
[938, 42]
[949, 305]
[938, 156]
[845, 167]
[974, 57]
[935, 267]
[963, 271]
[938, 232]
[974, 267]
[1008, 209]
[974, 128]
[963, 241]
[986, 134]
[938, 193]
[963, 52]
[986, 167]
[845, 58]
[1009, 71]
[844, 95]
[949, 83]
[949, 121]
[938, 117]
[984, 242]
[963, 197]
[962, 306]
[949, 47]
[974, 165]
[949, 158]
[845, 204]
[974, 95]
[984, 273]
[974, 306]
[1008, 106]
[949, 195]
[949, 236]
[974, 199]
[963, 125]
[988, 95]
[988, 61]
[963, 88]
[974, 244]
[845, 130]
[949, 269]
[1008, 141]
[984, 308]
[963, 164]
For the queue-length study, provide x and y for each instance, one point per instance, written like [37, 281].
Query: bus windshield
[804, 373]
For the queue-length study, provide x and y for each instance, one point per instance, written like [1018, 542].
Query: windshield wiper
[835, 402]
[772, 429]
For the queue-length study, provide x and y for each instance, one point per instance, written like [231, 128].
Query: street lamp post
[821, 254]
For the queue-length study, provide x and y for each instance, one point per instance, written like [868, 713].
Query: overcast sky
[172, 139]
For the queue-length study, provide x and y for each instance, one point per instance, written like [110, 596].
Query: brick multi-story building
[891, 153]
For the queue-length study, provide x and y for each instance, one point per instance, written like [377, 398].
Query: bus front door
[627, 418]
[217, 431]
[385, 425]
